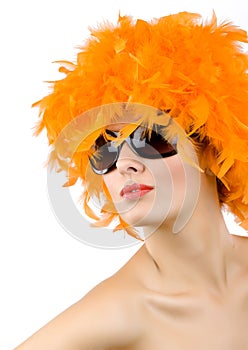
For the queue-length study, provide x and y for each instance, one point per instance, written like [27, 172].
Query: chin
[145, 218]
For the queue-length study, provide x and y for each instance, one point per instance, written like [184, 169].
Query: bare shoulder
[107, 317]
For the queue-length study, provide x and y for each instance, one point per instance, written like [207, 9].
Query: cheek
[171, 183]
[169, 173]
[185, 192]
[111, 184]
[178, 176]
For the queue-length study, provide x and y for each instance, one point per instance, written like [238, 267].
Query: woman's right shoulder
[104, 318]
[111, 310]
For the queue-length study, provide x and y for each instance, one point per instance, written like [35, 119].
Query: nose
[128, 162]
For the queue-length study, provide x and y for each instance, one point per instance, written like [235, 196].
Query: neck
[198, 254]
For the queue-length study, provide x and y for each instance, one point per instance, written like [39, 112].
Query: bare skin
[179, 291]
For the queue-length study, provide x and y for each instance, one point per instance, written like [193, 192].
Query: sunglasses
[143, 142]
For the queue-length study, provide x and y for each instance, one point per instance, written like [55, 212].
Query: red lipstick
[135, 191]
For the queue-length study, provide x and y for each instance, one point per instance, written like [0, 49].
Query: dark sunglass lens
[151, 144]
[160, 145]
[104, 155]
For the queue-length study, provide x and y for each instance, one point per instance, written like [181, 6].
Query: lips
[135, 191]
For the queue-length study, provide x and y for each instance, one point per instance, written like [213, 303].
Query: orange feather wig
[194, 70]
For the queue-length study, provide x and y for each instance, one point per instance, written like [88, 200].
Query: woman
[165, 151]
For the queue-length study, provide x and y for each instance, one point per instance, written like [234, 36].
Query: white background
[43, 269]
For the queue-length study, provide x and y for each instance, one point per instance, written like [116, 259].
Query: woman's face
[147, 192]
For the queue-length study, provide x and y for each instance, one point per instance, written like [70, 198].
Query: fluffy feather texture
[196, 70]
